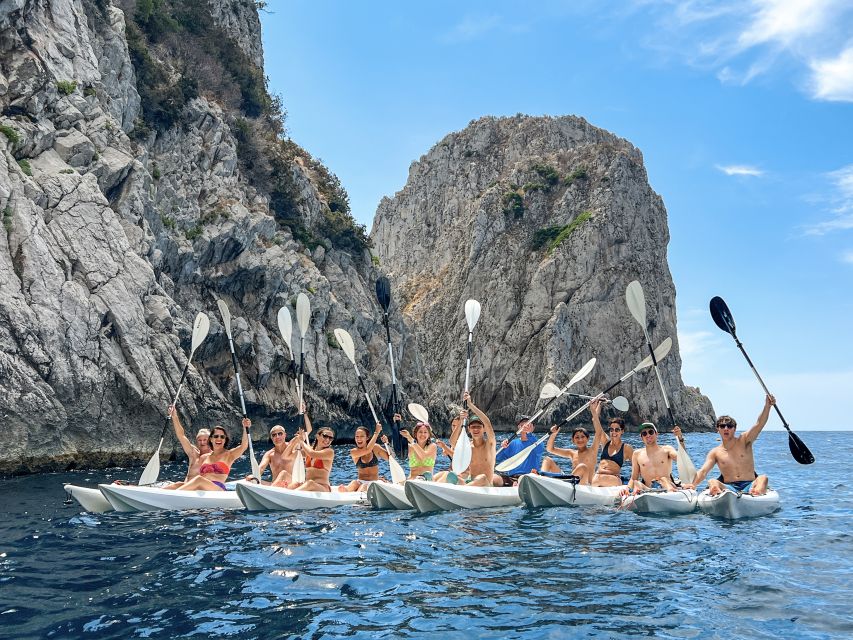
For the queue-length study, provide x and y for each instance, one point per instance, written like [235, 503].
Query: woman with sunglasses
[318, 461]
[216, 465]
[422, 450]
[614, 454]
[366, 458]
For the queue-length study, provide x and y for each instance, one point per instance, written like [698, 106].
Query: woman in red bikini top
[216, 465]
[318, 461]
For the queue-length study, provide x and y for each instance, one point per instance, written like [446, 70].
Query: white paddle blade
[226, 316]
[636, 300]
[298, 474]
[398, 476]
[512, 462]
[550, 390]
[303, 313]
[472, 313]
[419, 412]
[686, 468]
[256, 469]
[201, 326]
[152, 469]
[620, 403]
[461, 454]
[285, 327]
[582, 373]
[660, 353]
[345, 340]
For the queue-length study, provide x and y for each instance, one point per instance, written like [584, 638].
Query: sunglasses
[326, 435]
[726, 426]
[615, 429]
[275, 434]
[218, 436]
[643, 434]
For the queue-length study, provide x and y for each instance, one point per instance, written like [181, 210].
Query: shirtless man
[651, 467]
[194, 452]
[734, 457]
[481, 471]
[280, 458]
[583, 458]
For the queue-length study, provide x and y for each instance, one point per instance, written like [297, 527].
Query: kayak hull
[384, 495]
[90, 499]
[663, 503]
[734, 506]
[133, 498]
[542, 491]
[264, 497]
[427, 496]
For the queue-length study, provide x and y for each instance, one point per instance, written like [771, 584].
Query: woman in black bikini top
[366, 456]
[613, 456]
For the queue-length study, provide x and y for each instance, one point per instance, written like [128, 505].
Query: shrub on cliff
[552, 237]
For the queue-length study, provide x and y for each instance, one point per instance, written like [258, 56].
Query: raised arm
[306, 421]
[599, 438]
[558, 451]
[186, 445]
[487, 424]
[240, 449]
[456, 426]
[751, 435]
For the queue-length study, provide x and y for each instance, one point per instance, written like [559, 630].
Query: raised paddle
[345, 341]
[383, 294]
[462, 449]
[226, 322]
[201, 326]
[723, 319]
[419, 412]
[636, 300]
[303, 319]
[660, 353]
[285, 328]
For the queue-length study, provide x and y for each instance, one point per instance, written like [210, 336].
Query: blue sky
[743, 111]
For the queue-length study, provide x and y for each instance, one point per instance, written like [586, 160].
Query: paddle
[285, 328]
[636, 300]
[419, 412]
[303, 319]
[345, 341]
[659, 354]
[226, 322]
[201, 326]
[462, 451]
[723, 319]
[552, 391]
[383, 294]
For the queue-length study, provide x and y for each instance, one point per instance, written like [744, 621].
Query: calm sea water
[353, 572]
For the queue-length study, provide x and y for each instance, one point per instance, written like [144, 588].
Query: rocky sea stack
[145, 173]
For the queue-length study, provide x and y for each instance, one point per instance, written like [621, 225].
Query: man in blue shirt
[509, 448]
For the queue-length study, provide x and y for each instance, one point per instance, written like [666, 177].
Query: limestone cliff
[143, 173]
[545, 221]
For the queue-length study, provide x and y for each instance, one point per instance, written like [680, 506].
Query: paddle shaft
[301, 374]
[467, 377]
[394, 400]
[234, 362]
[536, 415]
[366, 394]
[657, 373]
[760, 381]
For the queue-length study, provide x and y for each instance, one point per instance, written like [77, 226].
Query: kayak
[662, 502]
[733, 506]
[426, 496]
[264, 497]
[133, 498]
[542, 491]
[90, 499]
[384, 495]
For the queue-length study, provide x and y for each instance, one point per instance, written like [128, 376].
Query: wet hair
[619, 421]
[726, 420]
[579, 430]
[420, 425]
[222, 429]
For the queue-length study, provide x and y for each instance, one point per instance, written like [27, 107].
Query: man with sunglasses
[734, 457]
[651, 466]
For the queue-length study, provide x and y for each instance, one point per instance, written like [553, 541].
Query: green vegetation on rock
[513, 204]
[11, 135]
[552, 237]
[25, 166]
[66, 87]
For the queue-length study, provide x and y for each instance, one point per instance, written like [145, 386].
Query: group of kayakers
[603, 463]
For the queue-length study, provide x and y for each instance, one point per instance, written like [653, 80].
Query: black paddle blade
[799, 450]
[721, 315]
[383, 292]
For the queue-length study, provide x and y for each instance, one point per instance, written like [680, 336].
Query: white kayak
[734, 506]
[132, 498]
[264, 497]
[385, 495]
[90, 499]
[661, 502]
[426, 496]
[542, 491]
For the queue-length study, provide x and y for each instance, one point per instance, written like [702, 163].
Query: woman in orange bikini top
[318, 462]
[216, 465]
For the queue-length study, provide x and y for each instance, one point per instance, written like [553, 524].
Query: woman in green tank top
[421, 451]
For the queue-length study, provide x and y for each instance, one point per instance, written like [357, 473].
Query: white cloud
[840, 203]
[740, 170]
[832, 79]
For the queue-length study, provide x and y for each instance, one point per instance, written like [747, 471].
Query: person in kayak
[366, 458]
[651, 466]
[734, 457]
[194, 452]
[318, 461]
[614, 455]
[216, 465]
[583, 457]
[481, 471]
[279, 459]
[534, 462]
[422, 451]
